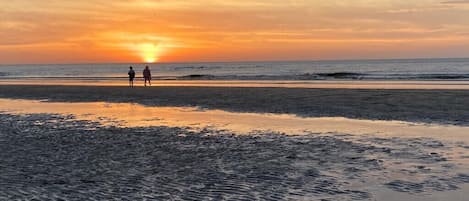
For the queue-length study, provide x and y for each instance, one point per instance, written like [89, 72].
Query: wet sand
[65, 156]
[302, 84]
[132, 115]
[44, 156]
[427, 106]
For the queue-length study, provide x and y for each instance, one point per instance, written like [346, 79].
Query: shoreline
[306, 84]
[422, 106]
[134, 115]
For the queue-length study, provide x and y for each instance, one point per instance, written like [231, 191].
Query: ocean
[397, 69]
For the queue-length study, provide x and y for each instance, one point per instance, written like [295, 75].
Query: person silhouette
[131, 74]
[147, 75]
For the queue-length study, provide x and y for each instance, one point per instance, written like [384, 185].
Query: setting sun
[148, 52]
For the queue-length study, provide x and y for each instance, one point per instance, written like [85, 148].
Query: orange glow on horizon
[231, 30]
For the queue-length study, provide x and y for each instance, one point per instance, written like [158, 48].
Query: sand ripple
[45, 157]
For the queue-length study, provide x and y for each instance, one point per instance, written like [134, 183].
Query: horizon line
[244, 61]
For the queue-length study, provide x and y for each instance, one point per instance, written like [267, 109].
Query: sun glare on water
[149, 52]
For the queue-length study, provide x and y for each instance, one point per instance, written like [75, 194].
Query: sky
[103, 31]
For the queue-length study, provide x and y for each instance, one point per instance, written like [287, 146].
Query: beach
[188, 100]
[232, 143]
[423, 105]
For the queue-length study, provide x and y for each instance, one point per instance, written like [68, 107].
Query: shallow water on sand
[136, 115]
[318, 84]
[392, 160]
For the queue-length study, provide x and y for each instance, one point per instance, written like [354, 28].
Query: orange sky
[57, 31]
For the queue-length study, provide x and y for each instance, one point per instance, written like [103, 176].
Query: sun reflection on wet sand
[320, 84]
[135, 115]
[405, 151]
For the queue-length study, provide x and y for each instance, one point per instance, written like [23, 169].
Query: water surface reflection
[136, 115]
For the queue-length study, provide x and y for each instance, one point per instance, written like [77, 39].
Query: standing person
[147, 75]
[131, 74]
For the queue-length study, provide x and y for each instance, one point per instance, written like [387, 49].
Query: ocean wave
[436, 76]
[305, 76]
[217, 67]
[196, 77]
[197, 67]
[328, 76]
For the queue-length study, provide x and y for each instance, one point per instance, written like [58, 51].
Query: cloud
[456, 2]
[213, 25]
